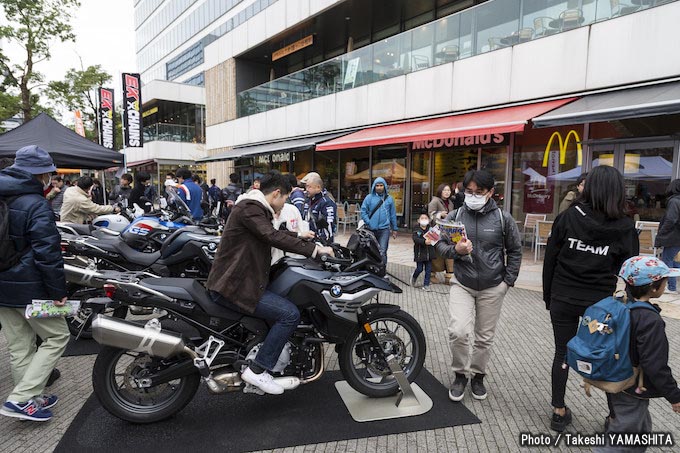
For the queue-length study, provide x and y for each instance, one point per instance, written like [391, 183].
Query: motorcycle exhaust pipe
[149, 338]
[81, 276]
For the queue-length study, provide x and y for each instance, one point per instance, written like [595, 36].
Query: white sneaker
[263, 381]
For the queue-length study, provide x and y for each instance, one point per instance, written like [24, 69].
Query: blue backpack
[600, 351]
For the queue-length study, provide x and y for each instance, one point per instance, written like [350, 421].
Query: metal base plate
[365, 409]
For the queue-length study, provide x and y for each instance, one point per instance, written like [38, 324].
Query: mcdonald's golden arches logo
[563, 147]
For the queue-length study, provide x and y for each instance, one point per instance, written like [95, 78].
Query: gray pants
[471, 313]
[631, 416]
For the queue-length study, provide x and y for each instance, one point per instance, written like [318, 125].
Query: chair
[353, 213]
[542, 27]
[495, 44]
[621, 9]
[543, 230]
[570, 19]
[530, 226]
[420, 62]
[647, 236]
[343, 219]
[525, 34]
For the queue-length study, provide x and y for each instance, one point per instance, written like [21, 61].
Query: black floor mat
[81, 347]
[237, 422]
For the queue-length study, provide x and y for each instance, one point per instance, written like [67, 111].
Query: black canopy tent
[68, 149]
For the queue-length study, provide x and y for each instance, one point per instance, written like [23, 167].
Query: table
[558, 23]
[510, 40]
[447, 55]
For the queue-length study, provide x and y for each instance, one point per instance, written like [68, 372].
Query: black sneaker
[477, 387]
[53, 377]
[559, 422]
[457, 391]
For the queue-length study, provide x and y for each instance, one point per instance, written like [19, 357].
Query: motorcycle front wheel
[116, 379]
[366, 370]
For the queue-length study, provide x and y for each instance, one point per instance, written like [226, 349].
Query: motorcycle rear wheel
[113, 377]
[368, 373]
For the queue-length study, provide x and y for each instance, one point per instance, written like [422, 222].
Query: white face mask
[475, 202]
[424, 223]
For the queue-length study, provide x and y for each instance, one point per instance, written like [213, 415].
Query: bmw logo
[336, 290]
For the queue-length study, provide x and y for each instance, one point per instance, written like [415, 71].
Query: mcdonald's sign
[563, 147]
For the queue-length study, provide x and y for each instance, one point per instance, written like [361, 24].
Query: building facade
[420, 91]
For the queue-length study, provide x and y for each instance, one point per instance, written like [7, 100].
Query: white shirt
[291, 216]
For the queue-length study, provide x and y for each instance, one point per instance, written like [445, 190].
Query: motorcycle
[149, 372]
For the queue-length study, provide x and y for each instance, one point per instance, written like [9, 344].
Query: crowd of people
[592, 242]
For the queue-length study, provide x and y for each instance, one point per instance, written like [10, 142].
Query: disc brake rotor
[390, 344]
[138, 369]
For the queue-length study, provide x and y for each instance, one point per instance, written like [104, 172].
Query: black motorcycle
[149, 372]
[187, 253]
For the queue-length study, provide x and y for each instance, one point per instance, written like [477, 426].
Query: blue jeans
[284, 317]
[423, 265]
[383, 237]
[667, 257]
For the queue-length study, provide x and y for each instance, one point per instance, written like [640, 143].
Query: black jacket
[496, 249]
[650, 351]
[584, 254]
[669, 227]
[40, 272]
[421, 252]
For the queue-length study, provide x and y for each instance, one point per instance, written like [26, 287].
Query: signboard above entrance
[461, 142]
[292, 48]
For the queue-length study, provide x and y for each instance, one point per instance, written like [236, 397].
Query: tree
[34, 24]
[78, 91]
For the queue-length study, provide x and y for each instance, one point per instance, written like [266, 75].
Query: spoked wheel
[366, 370]
[119, 376]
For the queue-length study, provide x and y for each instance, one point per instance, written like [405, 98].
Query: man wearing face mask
[32, 268]
[486, 265]
[240, 273]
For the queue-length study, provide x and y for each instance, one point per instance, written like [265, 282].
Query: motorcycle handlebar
[333, 260]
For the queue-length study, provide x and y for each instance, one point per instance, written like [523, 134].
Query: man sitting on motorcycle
[240, 273]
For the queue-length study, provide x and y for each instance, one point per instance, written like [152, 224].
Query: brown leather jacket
[240, 272]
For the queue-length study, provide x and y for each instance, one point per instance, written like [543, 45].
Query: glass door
[495, 161]
[420, 185]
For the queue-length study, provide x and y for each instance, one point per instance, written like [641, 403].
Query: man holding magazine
[487, 260]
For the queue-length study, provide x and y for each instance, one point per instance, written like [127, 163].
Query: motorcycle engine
[281, 363]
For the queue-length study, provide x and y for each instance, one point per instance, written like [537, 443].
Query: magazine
[47, 309]
[455, 230]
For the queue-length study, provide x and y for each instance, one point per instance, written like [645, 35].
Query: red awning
[498, 121]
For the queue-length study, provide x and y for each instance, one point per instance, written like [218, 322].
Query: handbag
[361, 223]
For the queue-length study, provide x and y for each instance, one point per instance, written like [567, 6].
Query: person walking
[587, 246]
[439, 207]
[487, 263]
[668, 235]
[35, 270]
[423, 251]
[320, 209]
[379, 214]
[56, 195]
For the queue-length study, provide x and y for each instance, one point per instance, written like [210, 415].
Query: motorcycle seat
[117, 245]
[79, 228]
[190, 290]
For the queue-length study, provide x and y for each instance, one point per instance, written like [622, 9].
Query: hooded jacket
[496, 248]
[240, 272]
[386, 215]
[669, 227]
[584, 254]
[40, 272]
[421, 251]
[649, 351]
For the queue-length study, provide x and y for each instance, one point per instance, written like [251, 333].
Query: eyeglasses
[478, 193]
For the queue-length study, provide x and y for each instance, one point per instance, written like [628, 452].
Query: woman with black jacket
[668, 235]
[587, 245]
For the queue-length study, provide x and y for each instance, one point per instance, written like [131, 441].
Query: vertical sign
[132, 110]
[106, 118]
[80, 128]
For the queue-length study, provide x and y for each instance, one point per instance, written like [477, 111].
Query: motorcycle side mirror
[164, 203]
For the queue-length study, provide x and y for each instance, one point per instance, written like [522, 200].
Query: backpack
[9, 254]
[600, 351]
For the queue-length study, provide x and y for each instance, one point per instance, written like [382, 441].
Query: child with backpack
[423, 251]
[635, 334]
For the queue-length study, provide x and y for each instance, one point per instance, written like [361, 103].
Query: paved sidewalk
[518, 382]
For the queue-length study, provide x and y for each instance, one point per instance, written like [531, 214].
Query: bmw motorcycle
[149, 372]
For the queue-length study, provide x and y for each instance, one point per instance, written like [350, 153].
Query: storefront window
[450, 165]
[494, 160]
[420, 185]
[260, 168]
[546, 165]
[302, 163]
[390, 164]
[354, 171]
[326, 165]
[647, 172]
[281, 162]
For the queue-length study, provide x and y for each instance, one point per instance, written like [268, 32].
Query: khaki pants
[31, 366]
[471, 313]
